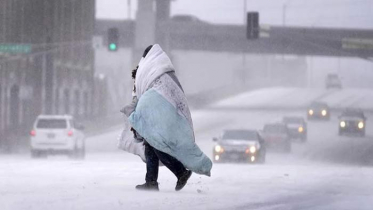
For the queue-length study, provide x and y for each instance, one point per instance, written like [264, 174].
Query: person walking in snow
[160, 116]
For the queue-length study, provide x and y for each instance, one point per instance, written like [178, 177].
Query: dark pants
[153, 156]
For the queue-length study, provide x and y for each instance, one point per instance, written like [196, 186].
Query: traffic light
[252, 31]
[113, 39]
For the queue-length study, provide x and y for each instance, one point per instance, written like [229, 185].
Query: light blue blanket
[164, 128]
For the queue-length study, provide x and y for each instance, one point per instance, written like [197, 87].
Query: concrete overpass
[177, 35]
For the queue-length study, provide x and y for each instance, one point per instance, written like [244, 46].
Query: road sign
[15, 48]
[357, 44]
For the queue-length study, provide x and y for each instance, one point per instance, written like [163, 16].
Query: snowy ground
[328, 172]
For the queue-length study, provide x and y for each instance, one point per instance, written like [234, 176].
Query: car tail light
[70, 133]
[33, 133]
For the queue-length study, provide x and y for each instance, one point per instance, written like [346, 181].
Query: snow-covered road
[328, 172]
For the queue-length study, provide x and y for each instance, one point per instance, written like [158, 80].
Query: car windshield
[240, 135]
[319, 105]
[274, 129]
[51, 124]
[353, 113]
[293, 120]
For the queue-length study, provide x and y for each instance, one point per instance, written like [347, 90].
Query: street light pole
[243, 52]
[284, 14]
[244, 11]
[284, 8]
[129, 9]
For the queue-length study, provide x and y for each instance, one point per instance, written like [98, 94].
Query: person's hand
[134, 72]
[134, 132]
[136, 135]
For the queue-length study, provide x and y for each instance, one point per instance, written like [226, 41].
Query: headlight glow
[324, 112]
[342, 124]
[217, 157]
[252, 149]
[361, 125]
[219, 148]
[310, 112]
[252, 158]
[300, 129]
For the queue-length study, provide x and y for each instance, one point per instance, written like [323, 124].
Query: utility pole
[284, 8]
[243, 52]
[129, 9]
[284, 14]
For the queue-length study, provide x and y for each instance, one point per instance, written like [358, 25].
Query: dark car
[276, 137]
[318, 111]
[240, 146]
[297, 127]
[352, 121]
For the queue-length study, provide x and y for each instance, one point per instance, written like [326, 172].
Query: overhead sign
[264, 31]
[358, 44]
[15, 48]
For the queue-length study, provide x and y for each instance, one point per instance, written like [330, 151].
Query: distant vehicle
[297, 127]
[276, 136]
[239, 145]
[57, 134]
[352, 121]
[333, 81]
[186, 19]
[319, 111]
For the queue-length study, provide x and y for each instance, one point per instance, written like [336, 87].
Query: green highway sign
[15, 48]
[357, 44]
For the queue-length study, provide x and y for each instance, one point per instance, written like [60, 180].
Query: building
[46, 61]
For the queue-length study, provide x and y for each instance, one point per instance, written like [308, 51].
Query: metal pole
[284, 15]
[283, 22]
[310, 69]
[244, 11]
[129, 9]
[243, 52]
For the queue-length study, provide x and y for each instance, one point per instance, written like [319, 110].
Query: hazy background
[318, 13]
[84, 79]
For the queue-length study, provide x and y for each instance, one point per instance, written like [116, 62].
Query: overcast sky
[326, 13]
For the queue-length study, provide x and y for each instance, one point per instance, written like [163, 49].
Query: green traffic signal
[112, 47]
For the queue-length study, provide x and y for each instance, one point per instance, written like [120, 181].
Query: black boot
[151, 186]
[181, 182]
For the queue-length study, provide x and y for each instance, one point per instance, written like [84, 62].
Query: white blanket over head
[150, 68]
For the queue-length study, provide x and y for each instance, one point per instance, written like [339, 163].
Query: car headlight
[310, 112]
[361, 125]
[342, 124]
[219, 148]
[300, 129]
[217, 157]
[324, 112]
[252, 149]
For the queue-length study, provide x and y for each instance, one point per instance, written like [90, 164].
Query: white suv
[57, 134]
